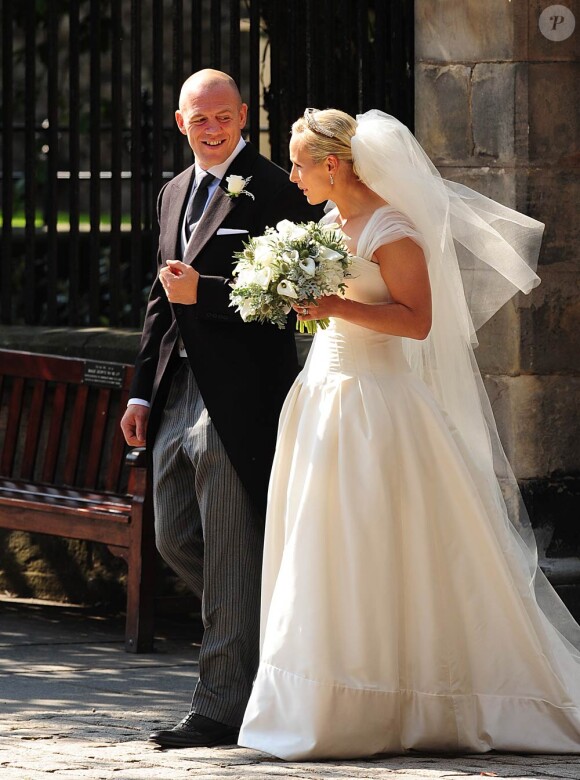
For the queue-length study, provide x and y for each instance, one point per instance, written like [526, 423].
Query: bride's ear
[332, 164]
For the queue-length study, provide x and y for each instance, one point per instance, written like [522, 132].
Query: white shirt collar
[219, 170]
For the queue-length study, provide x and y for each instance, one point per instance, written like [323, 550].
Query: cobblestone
[74, 705]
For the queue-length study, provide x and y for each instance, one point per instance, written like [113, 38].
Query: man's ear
[243, 115]
[180, 122]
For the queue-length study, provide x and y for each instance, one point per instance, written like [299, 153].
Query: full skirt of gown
[397, 615]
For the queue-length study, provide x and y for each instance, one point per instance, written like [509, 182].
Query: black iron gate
[89, 88]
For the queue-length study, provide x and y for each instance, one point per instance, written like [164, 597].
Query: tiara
[314, 125]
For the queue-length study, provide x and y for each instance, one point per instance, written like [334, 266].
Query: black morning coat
[243, 370]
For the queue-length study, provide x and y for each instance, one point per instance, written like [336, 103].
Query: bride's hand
[327, 306]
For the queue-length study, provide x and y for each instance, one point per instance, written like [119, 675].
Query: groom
[207, 393]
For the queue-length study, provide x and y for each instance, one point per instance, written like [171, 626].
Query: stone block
[40, 566]
[493, 106]
[550, 326]
[540, 47]
[537, 422]
[442, 115]
[554, 113]
[499, 343]
[498, 183]
[448, 31]
[553, 505]
[553, 195]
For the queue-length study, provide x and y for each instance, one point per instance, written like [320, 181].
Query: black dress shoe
[196, 731]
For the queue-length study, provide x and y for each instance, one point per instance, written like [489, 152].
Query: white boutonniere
[237, 186]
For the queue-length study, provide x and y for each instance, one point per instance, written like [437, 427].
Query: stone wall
[498, 109]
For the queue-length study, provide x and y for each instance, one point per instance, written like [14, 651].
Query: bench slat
[36, 492]
[75, 435]
[97, 435]
[118, 448]
[29, 365]
[12, 426]
[66, 522]
[33, 429]
[54, 433]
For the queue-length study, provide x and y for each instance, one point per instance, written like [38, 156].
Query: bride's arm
[404, 270]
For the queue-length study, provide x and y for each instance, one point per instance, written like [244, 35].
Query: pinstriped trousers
[209, 534]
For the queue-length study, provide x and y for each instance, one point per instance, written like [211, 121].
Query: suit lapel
[172, 232]
[220, 206]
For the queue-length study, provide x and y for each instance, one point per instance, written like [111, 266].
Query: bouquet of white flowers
[289, 264]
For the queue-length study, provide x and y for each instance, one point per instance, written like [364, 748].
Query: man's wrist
[138, 402]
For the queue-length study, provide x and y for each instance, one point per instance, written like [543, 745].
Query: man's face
[212, 118]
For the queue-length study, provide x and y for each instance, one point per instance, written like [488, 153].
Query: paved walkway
[74, 705]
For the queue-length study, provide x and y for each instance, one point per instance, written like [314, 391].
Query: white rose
[298, 233]
[263, 277]
[332, 274]
[284, 227]
[264, 254]
[308, 265]
[244, 277]
[290, 231]
[287, 289]
[235, 184]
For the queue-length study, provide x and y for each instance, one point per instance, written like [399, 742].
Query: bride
[402, 605]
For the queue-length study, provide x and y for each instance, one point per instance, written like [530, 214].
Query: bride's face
[312, 178]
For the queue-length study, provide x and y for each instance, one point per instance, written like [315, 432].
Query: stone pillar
[498, 109]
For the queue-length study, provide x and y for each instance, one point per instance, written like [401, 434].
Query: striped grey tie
[197, 204]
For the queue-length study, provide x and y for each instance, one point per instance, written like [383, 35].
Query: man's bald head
[206, 80]
[211, 114]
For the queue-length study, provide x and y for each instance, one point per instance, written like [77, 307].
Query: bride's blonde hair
[326, 132]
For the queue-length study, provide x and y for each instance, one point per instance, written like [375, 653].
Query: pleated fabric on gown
[397, 612]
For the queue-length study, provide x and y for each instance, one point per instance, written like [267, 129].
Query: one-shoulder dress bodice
[348, 349]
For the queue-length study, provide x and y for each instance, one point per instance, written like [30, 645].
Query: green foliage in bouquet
[291, 263]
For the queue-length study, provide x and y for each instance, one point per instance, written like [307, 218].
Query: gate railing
[89, 89]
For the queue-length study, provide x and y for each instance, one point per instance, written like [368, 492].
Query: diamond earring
[331, 179]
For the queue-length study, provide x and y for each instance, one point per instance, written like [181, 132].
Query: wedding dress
[399, 609]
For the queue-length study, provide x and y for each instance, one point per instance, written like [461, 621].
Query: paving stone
[82, 710]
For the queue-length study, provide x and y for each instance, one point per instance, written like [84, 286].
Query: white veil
[480, 254]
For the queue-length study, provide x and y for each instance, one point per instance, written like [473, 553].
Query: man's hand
[134, 424]
[179, 281]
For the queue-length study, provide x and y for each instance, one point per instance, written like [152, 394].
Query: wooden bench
[64, 469]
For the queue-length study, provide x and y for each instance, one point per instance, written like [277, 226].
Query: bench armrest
[137, 458]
